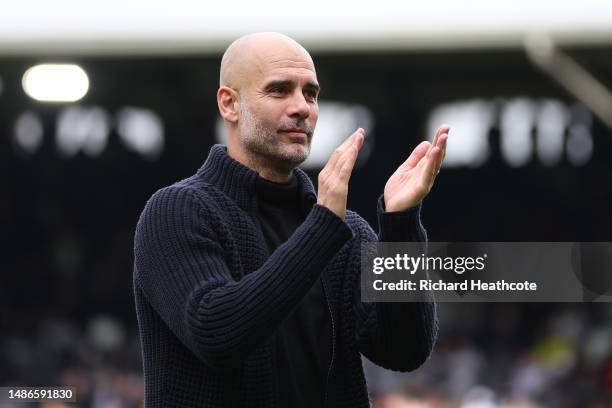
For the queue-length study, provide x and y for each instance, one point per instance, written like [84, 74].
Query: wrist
[393, 206]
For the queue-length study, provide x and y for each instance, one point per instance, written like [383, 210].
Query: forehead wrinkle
[289, 63]
[290, 67]
[291, 72]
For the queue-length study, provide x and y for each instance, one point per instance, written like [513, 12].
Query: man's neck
[262, 167]
[275, 176]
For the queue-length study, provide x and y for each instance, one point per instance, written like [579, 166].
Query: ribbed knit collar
[239, 182]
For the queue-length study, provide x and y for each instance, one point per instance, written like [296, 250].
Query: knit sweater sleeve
[181, 269]
[396, 336]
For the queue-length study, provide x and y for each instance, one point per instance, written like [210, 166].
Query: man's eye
[311, 95]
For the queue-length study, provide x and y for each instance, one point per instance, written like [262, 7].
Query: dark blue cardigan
[209, 296]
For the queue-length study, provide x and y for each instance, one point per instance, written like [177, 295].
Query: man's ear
[227, 100]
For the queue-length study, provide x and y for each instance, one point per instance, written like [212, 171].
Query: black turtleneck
[303, 341]
[209, 304]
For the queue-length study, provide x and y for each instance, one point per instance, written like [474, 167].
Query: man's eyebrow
[313, 86]
[277, 84]
[284, 83]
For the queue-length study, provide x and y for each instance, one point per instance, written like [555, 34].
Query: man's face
[278, 109]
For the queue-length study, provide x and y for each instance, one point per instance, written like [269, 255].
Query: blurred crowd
[100, 361]
[509, 355]
[488, 355]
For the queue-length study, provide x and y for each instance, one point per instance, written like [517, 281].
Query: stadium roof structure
[119, 27]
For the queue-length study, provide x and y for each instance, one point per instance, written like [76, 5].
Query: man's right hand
[334, 178]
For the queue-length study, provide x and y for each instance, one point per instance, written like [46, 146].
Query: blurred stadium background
[524, 86]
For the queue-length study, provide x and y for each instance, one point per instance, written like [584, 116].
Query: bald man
[246, 280]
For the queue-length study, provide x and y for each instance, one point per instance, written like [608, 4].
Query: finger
[435, 155]
[349, 157]
[351, 139]
[340, 149]
[443, 128]
[442, 145]
[360, 140]
[430, 169]
[427, 164]
[356, 140]
[426, 147]
[442, 139]
[349, 163]
[436, 140]
[417, 154]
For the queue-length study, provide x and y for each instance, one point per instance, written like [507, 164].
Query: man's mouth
[293, 130]
[296, 134]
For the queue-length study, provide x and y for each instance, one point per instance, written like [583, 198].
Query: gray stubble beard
[262, 142]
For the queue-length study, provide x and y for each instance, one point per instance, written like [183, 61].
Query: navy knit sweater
[209, 296]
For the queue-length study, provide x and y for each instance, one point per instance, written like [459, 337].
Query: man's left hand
[413, 180]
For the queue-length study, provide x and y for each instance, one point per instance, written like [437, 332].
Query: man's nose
[299, 107]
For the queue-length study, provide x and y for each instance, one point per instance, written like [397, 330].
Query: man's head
[268, 100]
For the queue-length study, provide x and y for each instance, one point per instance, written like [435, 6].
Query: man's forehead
[287, 74]
[283, 64]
